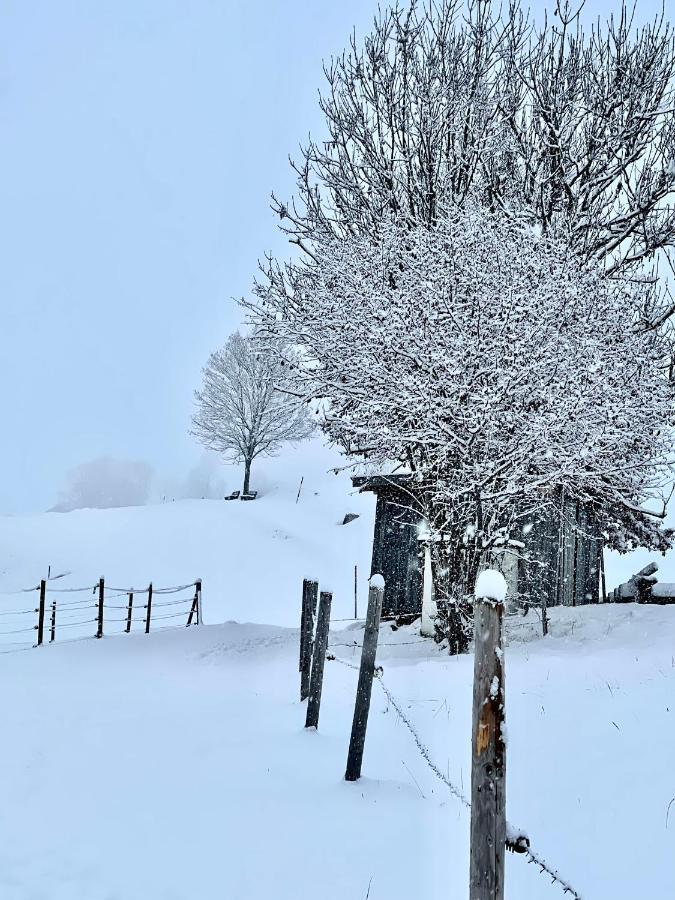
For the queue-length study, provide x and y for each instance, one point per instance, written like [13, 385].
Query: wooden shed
[561, 562]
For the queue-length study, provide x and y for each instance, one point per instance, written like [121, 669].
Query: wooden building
[561, 562]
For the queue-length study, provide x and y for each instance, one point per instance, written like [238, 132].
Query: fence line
[54, 613]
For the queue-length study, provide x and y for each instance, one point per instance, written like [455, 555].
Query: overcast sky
[139, 143]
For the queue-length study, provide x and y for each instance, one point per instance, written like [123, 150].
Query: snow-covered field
[251, 556]
[175, 766]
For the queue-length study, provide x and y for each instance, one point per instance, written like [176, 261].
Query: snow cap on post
[491, 585]
[377, 581]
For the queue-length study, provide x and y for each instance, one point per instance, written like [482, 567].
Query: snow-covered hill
[251, 556]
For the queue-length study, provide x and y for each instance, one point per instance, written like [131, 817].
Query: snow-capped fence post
[52, 634]
[41, 613]
[101, 595]
[198, 585]
[318, 660]
[488, 760]
[149, 609]
[366, 675]
[310, 592]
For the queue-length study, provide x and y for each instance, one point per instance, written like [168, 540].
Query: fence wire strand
[529, 853]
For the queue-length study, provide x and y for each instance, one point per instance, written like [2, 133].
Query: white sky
[139, 143]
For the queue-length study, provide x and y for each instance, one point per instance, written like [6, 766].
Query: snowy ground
[251, 556]
[176, 766]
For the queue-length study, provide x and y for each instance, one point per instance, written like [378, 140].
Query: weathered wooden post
[130, 609]
[149, 609]
[41, 613]
[199, 602]
[356, 600]
[488, 761]
[366, 674]
[544, 615]
[318, 660]
[101, 593]
[310, 592]
[52, 635]
[193, 608]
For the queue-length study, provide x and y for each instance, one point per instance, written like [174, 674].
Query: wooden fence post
[101, 593]
[356, 596]
[488, 760]
[200, 621]
[310, 592]
[41, 613]
[52, 636]
[318, 660]
[130, 609]
[149, 609]
[366, 674]
[544, 615]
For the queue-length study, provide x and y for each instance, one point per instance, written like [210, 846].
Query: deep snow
[175, 766]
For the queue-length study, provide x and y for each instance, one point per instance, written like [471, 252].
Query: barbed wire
[356, 645]
[172, 602]
[526, 850]
[20, 591]
[71, 590]
[19, 631]
[170, 616]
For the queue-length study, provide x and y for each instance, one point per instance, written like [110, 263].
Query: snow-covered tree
[494, 363]
[241, 411]
[473, 99]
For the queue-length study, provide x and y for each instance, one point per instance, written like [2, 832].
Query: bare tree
[241, 412]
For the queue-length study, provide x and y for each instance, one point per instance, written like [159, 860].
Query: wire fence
[514, 839]
[94, 610]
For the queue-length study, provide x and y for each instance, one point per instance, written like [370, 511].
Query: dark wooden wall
[562, 558]
[397, 554]
[562, 551]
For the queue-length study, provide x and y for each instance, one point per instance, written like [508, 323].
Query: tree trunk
[247, 474]
[453, 610]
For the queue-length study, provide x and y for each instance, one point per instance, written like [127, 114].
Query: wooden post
[101, 593]
[366, 674]
[200, 621]
[41, 613]
[130, 609]
[356, 602]
[488, 763]
[149, 609]
[544, 615]
[52, 636]
[310, 592]
[193, 608]
[318, 659]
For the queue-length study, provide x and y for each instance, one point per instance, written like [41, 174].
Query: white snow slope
[175, 766]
